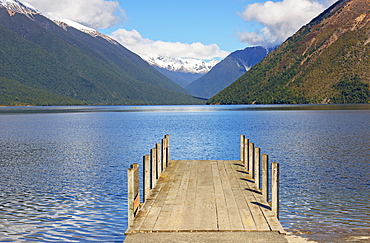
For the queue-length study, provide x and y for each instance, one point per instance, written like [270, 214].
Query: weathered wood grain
[205, 196]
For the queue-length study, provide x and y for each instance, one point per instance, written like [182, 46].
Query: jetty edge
[204, 200]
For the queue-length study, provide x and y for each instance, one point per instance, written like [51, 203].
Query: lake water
[63, 169]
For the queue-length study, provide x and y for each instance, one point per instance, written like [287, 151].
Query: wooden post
[168, 148]
[251, 160]
[275, 189]
[146, 169]
[158, 153]
[257, 156]
[153, 161]
[265, 177]
[163, 154]
[242, 138]
[133, 195]
[246, 153]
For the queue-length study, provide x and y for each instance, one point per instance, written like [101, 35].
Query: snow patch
[178, 64]
[19, 7]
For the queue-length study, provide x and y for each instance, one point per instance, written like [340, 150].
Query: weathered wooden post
[147, 176]
[251, 160]
[242, 137]
[275, 188]
[163, 154]
[133, 192]
[257, 156]
[246, 153]
[168, 148]
[153, 161]
[265, 177]
[158, 157]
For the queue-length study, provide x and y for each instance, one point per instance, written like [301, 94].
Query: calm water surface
[63, 169]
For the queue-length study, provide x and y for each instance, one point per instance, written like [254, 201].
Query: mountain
[178, 64]
[227, 71]
[182, 71]
[326, 61]
[52, 63]
[181, 78]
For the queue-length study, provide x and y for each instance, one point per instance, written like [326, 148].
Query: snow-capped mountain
[178, 64]
[70, 23]
[19, 7]
[227, 71]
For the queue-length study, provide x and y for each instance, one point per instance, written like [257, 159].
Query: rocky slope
[52, 63]
[326, 61]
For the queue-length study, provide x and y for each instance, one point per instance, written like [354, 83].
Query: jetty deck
[201, 197]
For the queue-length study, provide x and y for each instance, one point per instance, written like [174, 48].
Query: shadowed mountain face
[326, 61]
[227, 71]
[49, 63]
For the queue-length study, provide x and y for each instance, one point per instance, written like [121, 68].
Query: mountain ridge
[227, 71]
[38, 54]
[326, 61]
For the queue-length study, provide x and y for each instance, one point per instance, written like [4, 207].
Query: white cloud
[97, 14]
[142, 46]
[280, 20]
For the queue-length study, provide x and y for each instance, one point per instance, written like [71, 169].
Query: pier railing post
[257, 156]
[153, 167]
[147, 185]
[265, 177]
[158, 157]
[163, 154]
[275, 188]
[251, 160]
[133, 192]
[246, 153]
[168, 148]
[242, 156]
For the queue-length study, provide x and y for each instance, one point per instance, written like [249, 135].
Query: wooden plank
[221, 207]
[205, 200]
[180, 216]
[264, 214]
[242, 203]
[165, 221]
[232, 207]
[146, 212]
[248, 189]
[204, 196]
[155, 210]
[186, 203]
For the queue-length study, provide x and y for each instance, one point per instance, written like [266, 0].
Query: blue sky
[205, 21]
[201, 29]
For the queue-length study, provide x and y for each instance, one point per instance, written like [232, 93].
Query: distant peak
[183, 65]
[19, 7]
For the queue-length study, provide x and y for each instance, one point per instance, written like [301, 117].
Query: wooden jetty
[201, 198]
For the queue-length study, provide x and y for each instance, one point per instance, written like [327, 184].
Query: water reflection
[63, 169]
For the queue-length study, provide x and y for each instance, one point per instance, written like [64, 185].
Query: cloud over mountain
[280, 20]
[97, 14]
[143, 46]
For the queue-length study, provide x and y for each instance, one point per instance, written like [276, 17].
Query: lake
[63, 169]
